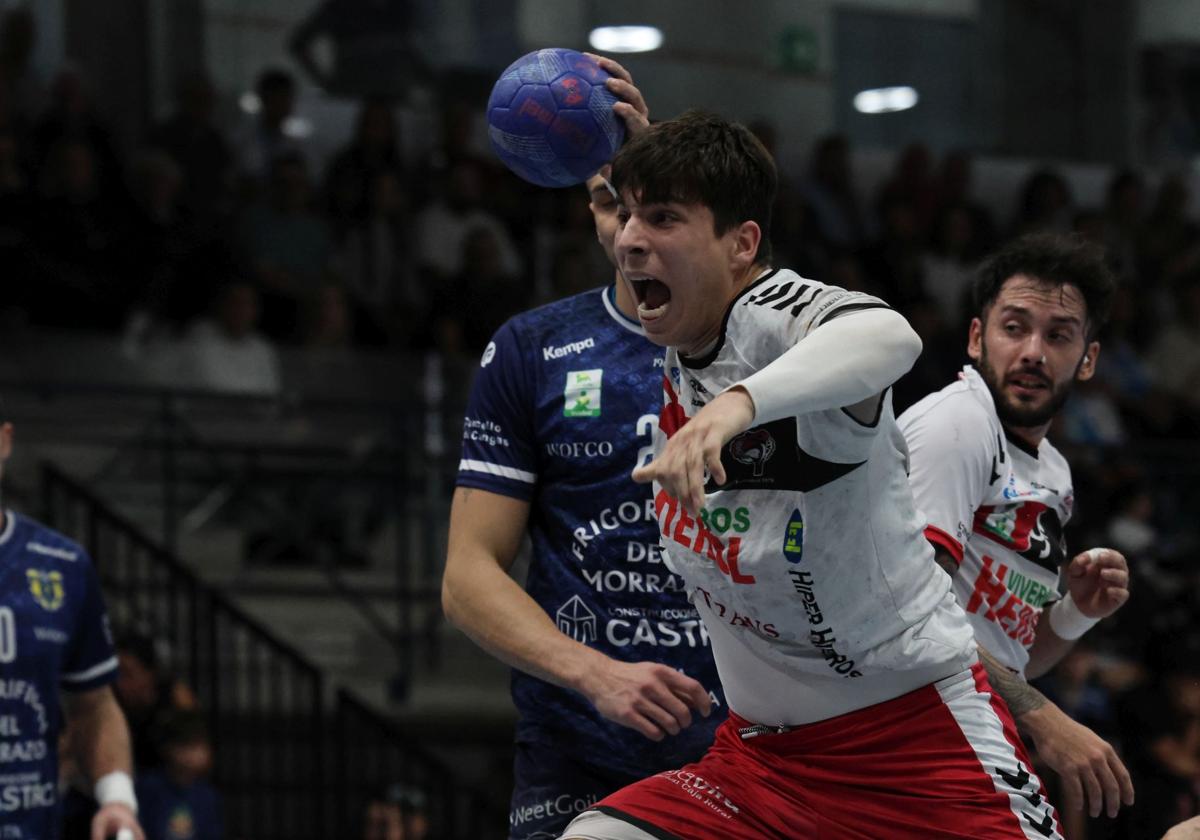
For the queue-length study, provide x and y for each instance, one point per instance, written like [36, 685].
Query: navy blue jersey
[561, 411]
[54, 635]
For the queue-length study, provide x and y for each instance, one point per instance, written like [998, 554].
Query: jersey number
[8, 635]
[645, 426]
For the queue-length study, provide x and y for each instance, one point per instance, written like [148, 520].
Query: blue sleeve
[499, 451]
[90, 660]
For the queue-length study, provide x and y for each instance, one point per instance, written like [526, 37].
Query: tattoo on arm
[1020, 696]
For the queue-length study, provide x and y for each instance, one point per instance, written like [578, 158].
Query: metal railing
[286, 767]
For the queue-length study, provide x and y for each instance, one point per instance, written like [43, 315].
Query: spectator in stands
[894, 260]
[71, 117]
[1160, 725]
[225, 352]
[444, 226]
[264, 137]
[288, 245]
[1169, 236]
[948, 265]
[374, 257]
[79, 230]
[329, 322]
[1045, 204]
[374, 150]
[16, 231]
[913, 185]
[177, 801]
[146, 690]
[191, 137]
[1124, 216]
[160, 242]
[396, 812]
[1174, 358]
[484, 294]
[829, 192]
[954, 190]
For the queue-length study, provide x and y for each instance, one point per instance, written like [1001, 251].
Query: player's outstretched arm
[101, 739]
[481, 599]
[1097, 586]
[1189, 830]
[1091, 772]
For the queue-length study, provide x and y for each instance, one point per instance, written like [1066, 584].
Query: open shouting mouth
[653, 297]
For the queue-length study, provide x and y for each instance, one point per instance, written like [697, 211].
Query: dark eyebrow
[1013, 309]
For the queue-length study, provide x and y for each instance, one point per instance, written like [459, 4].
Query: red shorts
[944, 761]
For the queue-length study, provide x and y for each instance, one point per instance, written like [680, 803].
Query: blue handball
[550, 118]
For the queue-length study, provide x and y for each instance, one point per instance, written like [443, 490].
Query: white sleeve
[840, 361]
[953, 459]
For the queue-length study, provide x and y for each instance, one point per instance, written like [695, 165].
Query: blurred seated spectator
[444, 226]
[193, 140]
[71, 117]
[1131, 523]
[79, 234]
[1044, 204]
[1160, 724]
[912, 184]
[829, 193]
[894, 260]
[147, 690]
[374, 150]
[1174, 357]
[288, 246]
[1124, 215]
[954, 189]
[948, 266]
[484, 294]
[374, 258]
[176, 801]
[328, 321]
[264, 135]
[1168, 237]
[1091, 417]
[396, 812]
[225, 352]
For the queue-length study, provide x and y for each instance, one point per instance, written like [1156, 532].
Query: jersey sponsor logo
[677, 524]
[1029, 529]
[50, 634]
[489, 353]
[26, 791]
[580, 449]
[720, 519]
[180, 824]
[563, 805]
[628, 633]
[581, 395]
[703, 790]
[484, 431]
[617, 580]
[576, 620]
[754, 448]
[569, 349]
[821, 635]
[1009, 600]
[793, 538]
[46, 588]
[26, 692]
[736, 619]
[611, 519]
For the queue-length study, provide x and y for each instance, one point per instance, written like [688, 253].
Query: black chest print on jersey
[769, 457]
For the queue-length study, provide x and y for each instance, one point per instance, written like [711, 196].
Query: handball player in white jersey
[996, 493]
[858, 707]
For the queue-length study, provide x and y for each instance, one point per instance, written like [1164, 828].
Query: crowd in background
[231, 241]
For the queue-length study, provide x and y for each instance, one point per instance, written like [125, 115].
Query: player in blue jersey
[54, 635]
[613, 678]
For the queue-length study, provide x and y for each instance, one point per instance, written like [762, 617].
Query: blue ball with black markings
[550, 118]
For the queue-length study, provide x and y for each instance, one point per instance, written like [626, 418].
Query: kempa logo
[553, 352]
[574, 619]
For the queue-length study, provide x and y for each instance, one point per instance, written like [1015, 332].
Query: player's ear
[746, 238]
[975, 340]
[1087, 365]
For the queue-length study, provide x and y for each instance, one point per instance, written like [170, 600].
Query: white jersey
[994, 503]
[808, 566]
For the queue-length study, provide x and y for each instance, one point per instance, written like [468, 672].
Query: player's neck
[1032, 436]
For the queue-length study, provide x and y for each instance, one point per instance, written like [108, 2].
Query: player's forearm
[841, 363]
[498, 615]
[1024, 701]
[1047, 649]
[100, 734]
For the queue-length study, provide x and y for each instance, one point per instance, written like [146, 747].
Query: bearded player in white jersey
[996, 493]
[858, 707]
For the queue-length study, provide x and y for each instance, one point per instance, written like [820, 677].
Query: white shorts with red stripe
[944, 761]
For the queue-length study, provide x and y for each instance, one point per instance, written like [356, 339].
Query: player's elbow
[449, 601]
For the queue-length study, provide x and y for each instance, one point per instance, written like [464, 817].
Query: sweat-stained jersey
[808, 566]
[562, 410]
[54, 635]
[996, 505]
